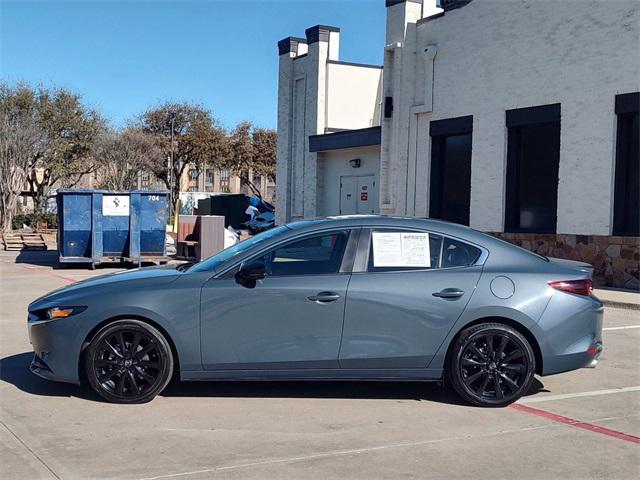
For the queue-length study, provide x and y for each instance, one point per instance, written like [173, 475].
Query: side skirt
[417, 374]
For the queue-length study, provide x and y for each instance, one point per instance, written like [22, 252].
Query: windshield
[213, 262]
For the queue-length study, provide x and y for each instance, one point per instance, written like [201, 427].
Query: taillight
[577, 287]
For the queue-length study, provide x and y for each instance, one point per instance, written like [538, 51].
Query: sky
[126, 56]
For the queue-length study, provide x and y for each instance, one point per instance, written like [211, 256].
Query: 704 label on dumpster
[115, 205]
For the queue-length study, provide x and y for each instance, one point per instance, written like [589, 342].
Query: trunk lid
[573, 264]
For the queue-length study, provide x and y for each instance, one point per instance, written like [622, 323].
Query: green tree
[264, 145]
[252, 151]
[187, 134]
[65, 156]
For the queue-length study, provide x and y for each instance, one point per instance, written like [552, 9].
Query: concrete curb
[616, 298]
[623, 305]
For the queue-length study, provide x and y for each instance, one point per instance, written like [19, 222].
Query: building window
[208, 181]
[533, 159]
[450, 189]
[224, 180]
[145, 180]
[626, 202]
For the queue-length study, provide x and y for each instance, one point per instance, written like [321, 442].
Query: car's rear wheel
[491, 365]
[128, 361]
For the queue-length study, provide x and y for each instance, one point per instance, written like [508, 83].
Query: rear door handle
[449, 293]
[324, 297]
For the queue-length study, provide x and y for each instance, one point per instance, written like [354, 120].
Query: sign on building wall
[115, 205]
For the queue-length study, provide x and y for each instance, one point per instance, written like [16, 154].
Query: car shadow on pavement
[397, 390]
[15, 370]
[377, 390]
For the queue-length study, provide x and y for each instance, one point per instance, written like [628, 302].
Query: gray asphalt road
[583, 424]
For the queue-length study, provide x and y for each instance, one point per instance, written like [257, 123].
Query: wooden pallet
[24, 241]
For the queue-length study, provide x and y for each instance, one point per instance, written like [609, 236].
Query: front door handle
[324, 297]
[449, 293]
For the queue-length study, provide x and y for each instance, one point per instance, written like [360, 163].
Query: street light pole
[169, 176]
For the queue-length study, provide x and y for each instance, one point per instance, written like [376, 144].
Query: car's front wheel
[128, 361]
[491, 365]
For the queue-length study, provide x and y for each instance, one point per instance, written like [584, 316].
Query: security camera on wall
[355, 163]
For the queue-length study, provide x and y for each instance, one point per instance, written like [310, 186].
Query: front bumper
[56, 346]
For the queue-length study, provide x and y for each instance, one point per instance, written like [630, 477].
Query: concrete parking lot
[583, 424]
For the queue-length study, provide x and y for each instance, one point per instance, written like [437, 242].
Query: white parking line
[593, 393]
[357, 451]
[628, 327]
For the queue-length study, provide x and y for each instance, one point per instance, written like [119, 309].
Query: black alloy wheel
[491, 365]
[128, 361]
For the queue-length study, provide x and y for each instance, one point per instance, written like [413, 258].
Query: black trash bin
[231, 206]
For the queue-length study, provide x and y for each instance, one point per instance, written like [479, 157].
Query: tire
[128, 361]
[491, 365]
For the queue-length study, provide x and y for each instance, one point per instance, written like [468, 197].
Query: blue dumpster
[95, 226]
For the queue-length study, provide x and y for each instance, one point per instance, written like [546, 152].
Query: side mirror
[249, 273]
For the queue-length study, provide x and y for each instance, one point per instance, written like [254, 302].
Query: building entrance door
[357, 194]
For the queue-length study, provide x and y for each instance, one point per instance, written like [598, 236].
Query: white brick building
[518, 117]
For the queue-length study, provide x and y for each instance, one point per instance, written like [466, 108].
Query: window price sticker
[401, 249]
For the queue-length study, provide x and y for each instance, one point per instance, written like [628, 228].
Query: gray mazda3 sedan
[340, 298]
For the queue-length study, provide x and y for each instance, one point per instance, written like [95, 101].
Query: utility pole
[169, 176]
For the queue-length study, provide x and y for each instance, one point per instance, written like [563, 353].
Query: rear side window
[383, 243]
[321, 254]
[458, 254]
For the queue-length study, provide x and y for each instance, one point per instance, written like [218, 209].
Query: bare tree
[122, 156]
[20, 139]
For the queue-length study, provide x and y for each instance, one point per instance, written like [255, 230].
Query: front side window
[398, 250]
[317, 255]
[228, 254]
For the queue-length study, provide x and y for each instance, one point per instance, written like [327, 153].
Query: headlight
[58, 312]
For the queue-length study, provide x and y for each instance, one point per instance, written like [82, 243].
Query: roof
[434, 225]
[508, 253]
[361, 137]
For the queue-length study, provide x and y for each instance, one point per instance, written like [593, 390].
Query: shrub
[32, 220]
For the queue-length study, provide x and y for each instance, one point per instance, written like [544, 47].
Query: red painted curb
[576, 423]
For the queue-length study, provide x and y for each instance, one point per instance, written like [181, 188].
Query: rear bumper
[571, 332]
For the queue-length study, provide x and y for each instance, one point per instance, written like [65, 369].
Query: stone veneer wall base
[616, 260]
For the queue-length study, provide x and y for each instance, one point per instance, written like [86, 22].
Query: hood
[573, 264]
[164, 274]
